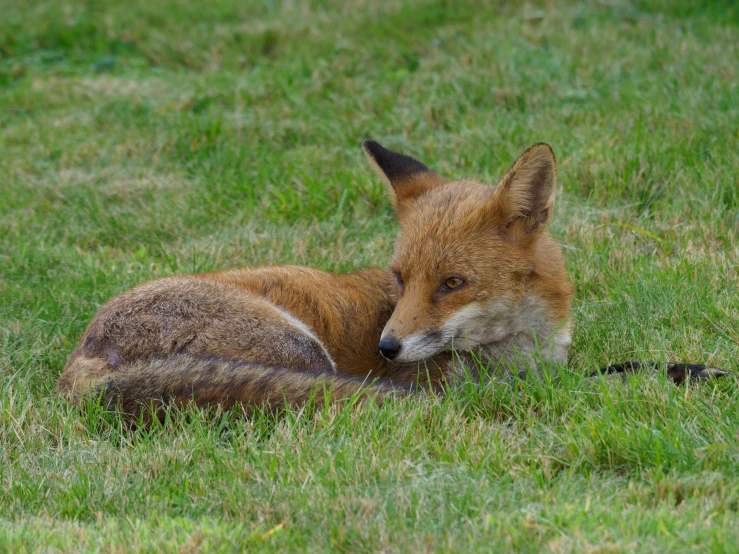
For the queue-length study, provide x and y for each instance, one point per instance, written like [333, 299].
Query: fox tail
[678, 373]
[182, 379]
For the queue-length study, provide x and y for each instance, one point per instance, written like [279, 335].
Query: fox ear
[408, 178]
[525, 195]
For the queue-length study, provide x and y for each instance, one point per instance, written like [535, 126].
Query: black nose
[389, 347]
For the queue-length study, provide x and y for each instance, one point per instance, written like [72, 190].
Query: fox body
[475, 278]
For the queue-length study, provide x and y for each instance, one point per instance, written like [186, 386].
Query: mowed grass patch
[141, 140]
[575, 463]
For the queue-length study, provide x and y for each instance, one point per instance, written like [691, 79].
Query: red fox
[475, 280]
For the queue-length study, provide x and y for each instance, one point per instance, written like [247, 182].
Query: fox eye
[453, 283]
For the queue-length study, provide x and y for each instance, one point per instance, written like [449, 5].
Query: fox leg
[678, 373]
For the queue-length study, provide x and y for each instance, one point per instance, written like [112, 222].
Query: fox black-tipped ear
[408, 178]
[525, 195]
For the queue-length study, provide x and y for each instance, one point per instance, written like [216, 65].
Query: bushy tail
[676, 372]
[213, 381]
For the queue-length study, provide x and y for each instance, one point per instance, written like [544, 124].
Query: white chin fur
[474, 325]
[501, 326]
[469, 328]
[419, 347]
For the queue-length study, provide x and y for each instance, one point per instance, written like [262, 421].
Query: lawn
[140, 139]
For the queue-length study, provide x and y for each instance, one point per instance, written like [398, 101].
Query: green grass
[142, 139]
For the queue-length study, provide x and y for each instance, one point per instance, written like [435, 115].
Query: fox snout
[390, 347]
[412, 348]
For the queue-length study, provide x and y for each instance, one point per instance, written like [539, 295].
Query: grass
[143, 139]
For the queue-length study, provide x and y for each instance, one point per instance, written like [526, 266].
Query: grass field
[140, 139]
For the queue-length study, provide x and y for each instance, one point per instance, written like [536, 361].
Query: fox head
[468, 254]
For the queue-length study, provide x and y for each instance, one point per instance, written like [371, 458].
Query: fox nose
[389, 347]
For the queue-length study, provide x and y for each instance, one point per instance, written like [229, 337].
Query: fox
[476, 281]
